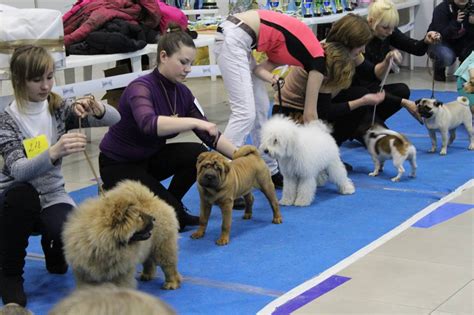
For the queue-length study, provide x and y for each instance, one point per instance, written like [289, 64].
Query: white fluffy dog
[303, 154]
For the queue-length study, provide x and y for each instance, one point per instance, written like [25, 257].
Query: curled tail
[244, 151]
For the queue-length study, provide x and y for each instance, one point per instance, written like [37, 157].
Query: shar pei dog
[220, 181]
[106, 237]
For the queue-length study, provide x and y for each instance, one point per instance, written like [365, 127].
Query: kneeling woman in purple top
[154, 108]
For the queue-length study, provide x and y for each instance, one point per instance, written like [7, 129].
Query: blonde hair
[340, 67]
[383, 12]
[29, 62]
[108, 299]
[351, 30]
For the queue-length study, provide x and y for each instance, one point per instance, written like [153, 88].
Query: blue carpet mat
[264, 260]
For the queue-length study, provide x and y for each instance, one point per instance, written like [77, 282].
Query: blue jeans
[442, 55]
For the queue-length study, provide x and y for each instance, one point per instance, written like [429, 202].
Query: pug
[445, 118]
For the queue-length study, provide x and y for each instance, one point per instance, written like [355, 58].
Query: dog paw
[443, 152]
[432, 150]
[395, 179]
[302, 202]
[197, 234]
[247, 216]
[374, 174]
[222, 241]
[285, 202]
[471, 146]
[277, 220]
[171, 285]
[347, 189]
[146, 277]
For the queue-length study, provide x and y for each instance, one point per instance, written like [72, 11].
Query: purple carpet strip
[310, 295]
[442, 214]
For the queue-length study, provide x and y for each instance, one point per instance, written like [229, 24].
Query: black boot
[53, 254]
[185, 218]
[19, 211]
[277, 180]
[11, 289]
[440, 74]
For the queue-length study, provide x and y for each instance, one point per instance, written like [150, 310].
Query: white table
[87, 85]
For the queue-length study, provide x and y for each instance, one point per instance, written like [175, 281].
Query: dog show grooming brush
[384, 79]
[99, 183]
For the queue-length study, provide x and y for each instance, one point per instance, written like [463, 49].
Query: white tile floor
[420, 271]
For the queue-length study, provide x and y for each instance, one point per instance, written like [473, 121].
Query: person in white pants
[285, 40]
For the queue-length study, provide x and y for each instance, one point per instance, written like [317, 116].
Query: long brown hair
[172, 40]
[340, 67]
[351, 30]
[29, 62]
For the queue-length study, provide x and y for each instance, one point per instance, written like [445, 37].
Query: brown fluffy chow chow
[106, 237]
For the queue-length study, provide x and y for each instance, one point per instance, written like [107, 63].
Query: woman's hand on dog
[68, 143]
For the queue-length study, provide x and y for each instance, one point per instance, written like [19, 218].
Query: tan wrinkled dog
[106, 237]
[220, 181]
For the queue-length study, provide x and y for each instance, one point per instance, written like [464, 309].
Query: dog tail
[244, 151]
[463, 100]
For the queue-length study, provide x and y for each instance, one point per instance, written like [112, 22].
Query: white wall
[423, 19]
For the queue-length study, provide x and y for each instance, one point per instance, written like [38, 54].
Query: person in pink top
[286, 41]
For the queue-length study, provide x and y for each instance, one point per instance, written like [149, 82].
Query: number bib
[35, 146]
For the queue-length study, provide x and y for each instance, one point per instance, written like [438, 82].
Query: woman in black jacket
[454, 19]
[386, 44]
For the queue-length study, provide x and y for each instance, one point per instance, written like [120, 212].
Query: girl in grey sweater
[33, 141]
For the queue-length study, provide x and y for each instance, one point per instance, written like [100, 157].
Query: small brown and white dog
[446, 118]
[384, 144]
[221, 181]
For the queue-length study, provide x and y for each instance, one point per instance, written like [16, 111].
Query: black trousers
[21, 216]
[354, 124]
[175, 159]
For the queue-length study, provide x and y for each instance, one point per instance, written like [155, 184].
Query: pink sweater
[286, 40]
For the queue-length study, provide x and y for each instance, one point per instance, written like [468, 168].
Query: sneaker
[277, 180]
[185, 219]
[239, 203]
[11, 289]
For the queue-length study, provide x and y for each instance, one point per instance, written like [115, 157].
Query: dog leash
[99, 183]
[280, 82]
[384, 79]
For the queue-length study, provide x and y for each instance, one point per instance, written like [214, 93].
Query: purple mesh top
[135, 136]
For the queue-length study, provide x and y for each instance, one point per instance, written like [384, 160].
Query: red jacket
[88, 15]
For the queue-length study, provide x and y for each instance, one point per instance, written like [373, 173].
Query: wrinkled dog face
[427, 107]
[212, 169]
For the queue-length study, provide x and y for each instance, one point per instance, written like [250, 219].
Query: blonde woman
[385, 46]
[33, 141]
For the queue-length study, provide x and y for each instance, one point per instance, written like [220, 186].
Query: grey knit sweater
[45, 176]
